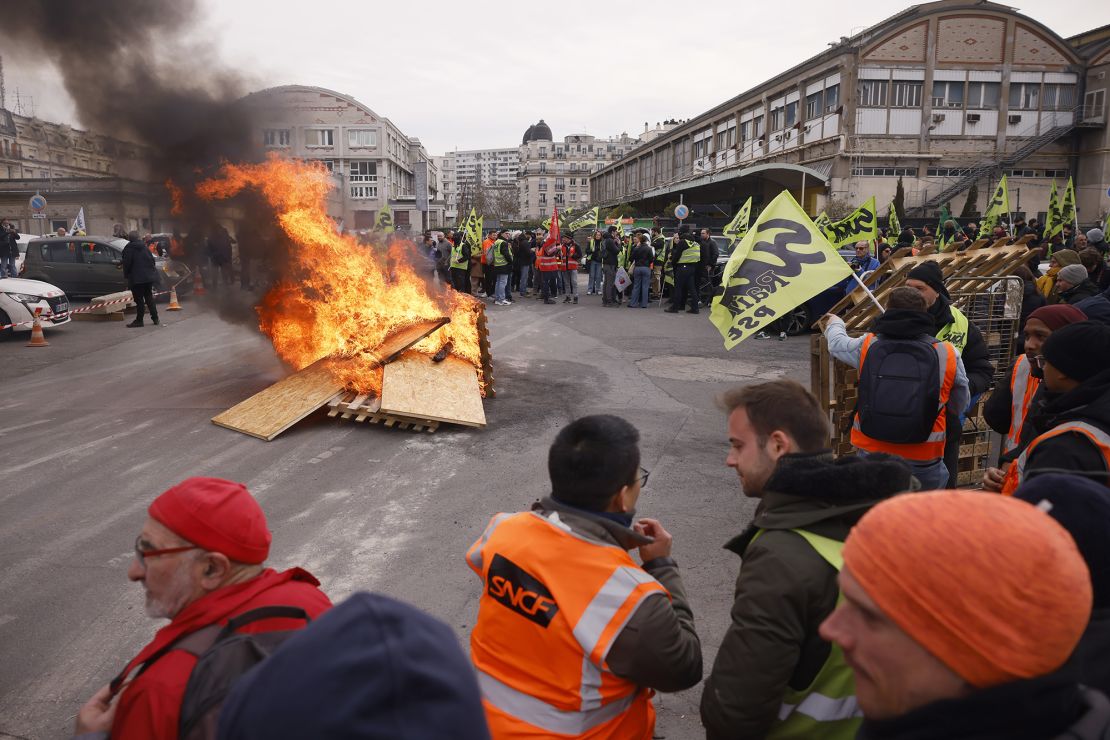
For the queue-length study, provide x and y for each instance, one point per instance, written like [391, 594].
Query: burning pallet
[419, 392]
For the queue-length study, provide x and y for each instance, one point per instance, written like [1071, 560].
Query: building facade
[449, 187]
[943, 96]
[557, 174]
[375, 162]
[496, 167]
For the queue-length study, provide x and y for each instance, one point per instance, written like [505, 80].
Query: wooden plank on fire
[402, 339]
[448, 391]
[271, 411]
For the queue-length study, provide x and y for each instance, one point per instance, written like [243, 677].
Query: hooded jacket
[1090, 403]
[371, 668]
[785, 589]
[138, 264]
[1047, 708]
[897, 323]
[976, 361]
[1077, 293]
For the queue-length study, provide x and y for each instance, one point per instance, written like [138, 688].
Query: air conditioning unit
[973, 118]
[1013, 119]
[938, 118]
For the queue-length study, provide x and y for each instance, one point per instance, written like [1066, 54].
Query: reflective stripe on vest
[1023, 387]
[933, 446]
[499, 259]
[827, 708]
[1100, 439]
[458, 261]
[691, 255]
[955, 333]
[553, 604]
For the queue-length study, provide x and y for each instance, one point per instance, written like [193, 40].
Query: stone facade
[922, 96]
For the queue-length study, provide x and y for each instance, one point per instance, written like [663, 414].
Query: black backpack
[899, 391]
[223, 656]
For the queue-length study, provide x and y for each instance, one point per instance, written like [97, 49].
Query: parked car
[19, 298]
[91, 265]
[22, 243]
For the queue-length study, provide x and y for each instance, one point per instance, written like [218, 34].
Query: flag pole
[869, 293]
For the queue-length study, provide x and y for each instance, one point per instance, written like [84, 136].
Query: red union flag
[553, 235]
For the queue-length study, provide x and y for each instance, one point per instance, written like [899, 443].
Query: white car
[19, 298]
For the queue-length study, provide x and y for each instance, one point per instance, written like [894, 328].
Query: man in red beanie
[200, 558]
[1008, 405]
[958, 611]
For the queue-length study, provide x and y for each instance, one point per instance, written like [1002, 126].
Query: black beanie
[684, 229]
[1082, 506]
[1080, 350]
[930, 274]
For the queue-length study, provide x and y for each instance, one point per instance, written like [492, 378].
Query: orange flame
[176, 196]
[340, 299]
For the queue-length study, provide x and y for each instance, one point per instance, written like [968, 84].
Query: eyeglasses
[142, 554]
[1039, 360]
[644, 477]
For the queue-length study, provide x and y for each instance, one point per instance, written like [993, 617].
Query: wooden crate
[361, 407]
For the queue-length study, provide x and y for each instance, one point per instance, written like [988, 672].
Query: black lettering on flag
[861, 222]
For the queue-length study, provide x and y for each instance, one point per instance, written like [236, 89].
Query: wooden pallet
[487, 353]
[361, 407]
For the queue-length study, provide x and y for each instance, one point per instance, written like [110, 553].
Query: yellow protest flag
[1052, 223]
[1067, 206]
[997, 206]
[738, 226]
[782, 262]
[587, 219]
[860, 225]
[384, 220]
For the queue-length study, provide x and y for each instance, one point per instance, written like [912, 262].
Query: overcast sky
[472, 75]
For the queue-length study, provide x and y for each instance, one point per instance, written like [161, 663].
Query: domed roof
[538, 132]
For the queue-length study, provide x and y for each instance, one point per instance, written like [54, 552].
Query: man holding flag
[782, 262]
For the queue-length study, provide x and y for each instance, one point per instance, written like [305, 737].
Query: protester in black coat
[141, 273]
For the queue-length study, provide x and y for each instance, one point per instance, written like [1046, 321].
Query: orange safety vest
[572, 258]
[1098, 437]
[933, 447]
[549, 262]
[552, 605]
[1023, 386]
[485, 246]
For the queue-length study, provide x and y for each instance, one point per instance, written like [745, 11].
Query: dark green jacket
[785, 589]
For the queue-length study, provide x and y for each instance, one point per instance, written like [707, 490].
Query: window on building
[543, 167]
[560, 183]
[543, 199]
[701, 148]
[598, 166]
[745, 131]
[275, 137]
[948, 94]
[559, 200]
[813, 106]
[543, 152]
[364, 171]
[573, 197]
[905, 94]
[730, 136]
[1056, 173]
[791, 113]
[872, 93]
[777, 118]
[984, 95]
[329, 164]
[1025, 95]
[946, 172]
[543, 184]
[832, 98]
[1058, 97]
[362, 137]
[319, 137]
[560, 167]
[364, 192]
[573, 182]
[884, 172]
[760, 127]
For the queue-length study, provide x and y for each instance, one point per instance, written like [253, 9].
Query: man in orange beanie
[200, 558]
[959, 609]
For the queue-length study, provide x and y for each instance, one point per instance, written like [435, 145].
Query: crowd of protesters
[872, 600]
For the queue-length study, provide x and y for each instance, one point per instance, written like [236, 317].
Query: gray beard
[175, 597]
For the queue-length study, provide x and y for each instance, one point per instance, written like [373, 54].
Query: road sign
[38, 215]
[38, 203]
[681, 212]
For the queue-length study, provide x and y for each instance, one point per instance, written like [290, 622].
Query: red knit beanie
[217, 515]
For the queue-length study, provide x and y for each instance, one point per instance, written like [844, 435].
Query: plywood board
[270, 412]
[444, 391]
[402, 339]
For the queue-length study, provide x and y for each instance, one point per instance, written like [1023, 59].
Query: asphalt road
[105, 418]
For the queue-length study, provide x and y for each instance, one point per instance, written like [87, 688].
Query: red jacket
[150, 705]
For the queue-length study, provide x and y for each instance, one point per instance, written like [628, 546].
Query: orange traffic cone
[38, 339]
[198, 284]
[174, 305]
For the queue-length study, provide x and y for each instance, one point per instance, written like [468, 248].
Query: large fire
[340, 300]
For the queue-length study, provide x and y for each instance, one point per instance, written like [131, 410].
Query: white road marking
[78, 448]
[24, 426]
[5, 618]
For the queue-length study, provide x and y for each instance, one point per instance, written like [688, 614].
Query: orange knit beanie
[990, 585]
